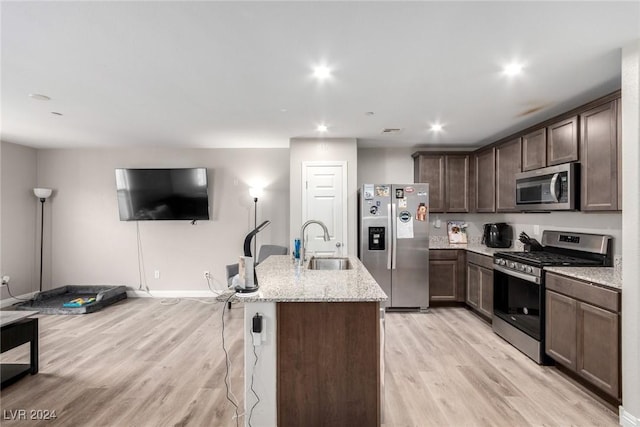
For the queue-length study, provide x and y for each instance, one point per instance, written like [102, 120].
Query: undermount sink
[329, 263]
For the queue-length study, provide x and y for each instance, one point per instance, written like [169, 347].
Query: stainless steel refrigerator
[394, 241]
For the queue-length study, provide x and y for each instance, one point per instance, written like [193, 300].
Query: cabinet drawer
[600, 297]
[481, 260]
[451, 254]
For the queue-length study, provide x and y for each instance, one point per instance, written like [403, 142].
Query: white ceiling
[220, 74]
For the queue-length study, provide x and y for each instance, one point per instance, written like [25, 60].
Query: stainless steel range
[518, 284]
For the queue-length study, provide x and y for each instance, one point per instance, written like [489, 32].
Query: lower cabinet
[446, 275]
[583, 330]
[480, 283]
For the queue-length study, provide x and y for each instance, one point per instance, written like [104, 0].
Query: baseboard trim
[8, 302]
[171, 294]
[627, 419]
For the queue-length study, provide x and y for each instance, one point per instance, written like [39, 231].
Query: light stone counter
[282, 281]
[609, 277]
[478, 248]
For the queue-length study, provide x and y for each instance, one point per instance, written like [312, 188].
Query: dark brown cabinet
[561, 329]
[485, 180]
[599, 158]
[562, 141]
[328, 375]
[534, 150]
[448, 179]
[457, 183]
[430, 169]
[508, 164]
[446, 275]
[480, 283]
[583, 330]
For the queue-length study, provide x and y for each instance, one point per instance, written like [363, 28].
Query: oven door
[519, 300]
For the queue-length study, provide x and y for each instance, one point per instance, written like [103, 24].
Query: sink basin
[329, 263]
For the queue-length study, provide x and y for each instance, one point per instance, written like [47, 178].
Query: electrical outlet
[206, 274]
[156, 274]
[536, 230]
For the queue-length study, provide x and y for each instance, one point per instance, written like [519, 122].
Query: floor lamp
[255, 192]
[42, 194]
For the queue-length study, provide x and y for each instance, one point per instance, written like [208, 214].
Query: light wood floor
[141, 363]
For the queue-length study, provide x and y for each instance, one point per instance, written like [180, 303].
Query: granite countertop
[282, 281]
[472, 247]
[609, 277]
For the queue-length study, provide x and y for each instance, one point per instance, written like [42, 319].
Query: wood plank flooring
[142, 363]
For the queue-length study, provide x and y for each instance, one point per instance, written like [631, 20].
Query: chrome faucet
[311, 221]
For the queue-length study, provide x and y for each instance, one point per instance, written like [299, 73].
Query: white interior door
[324, 198]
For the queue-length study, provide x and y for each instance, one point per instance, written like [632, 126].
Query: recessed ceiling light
[321, 72]
[436, 127]
[322, 128]
[39, 97]
[512, 69]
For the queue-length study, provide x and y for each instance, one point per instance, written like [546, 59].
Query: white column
[630, 409]
[264, 375]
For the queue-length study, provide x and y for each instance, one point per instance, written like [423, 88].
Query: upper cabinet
[508, 164]
[551, 145]
[599, 158]
[534, 150]
[485, 180]
[448, 179]
[429, 168]
[457, 183]
[562, 141]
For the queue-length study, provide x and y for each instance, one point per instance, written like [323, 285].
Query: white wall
[88, 244]
[385, 166]
[18, 219]
[631, 228]
[311, 149]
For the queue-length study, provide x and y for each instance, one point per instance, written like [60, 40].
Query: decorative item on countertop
[457, 231]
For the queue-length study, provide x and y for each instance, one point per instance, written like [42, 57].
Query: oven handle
[517, 274]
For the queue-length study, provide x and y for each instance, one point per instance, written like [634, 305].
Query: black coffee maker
[497, 235]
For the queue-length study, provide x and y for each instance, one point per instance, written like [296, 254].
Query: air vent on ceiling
[391, 131]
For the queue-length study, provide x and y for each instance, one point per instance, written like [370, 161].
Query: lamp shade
[255, 192]
[42, 193]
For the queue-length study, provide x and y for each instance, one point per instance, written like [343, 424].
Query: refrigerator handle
[389, 236]
[393, 235]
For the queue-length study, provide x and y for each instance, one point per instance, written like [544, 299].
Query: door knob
[338, 244]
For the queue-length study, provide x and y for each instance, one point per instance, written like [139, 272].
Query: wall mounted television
[162, 194]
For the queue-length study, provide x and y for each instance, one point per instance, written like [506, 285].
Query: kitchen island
[319, 352]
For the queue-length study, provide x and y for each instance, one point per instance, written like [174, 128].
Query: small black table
[17, 329]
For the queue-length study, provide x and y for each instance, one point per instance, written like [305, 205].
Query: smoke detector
[391, 131]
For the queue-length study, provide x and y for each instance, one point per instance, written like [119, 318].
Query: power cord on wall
[253, 372]
[228, 364]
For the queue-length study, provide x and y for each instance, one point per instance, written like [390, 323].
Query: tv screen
[162, 194]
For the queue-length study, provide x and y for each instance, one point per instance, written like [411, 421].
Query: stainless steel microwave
[554, 188]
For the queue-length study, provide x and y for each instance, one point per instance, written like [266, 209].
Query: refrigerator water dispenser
[376, 238]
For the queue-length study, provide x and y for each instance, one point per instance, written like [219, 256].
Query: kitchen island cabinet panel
[328, 365]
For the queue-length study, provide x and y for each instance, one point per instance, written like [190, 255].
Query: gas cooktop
[547, 258]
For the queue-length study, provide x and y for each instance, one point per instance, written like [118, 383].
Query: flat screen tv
[162, 194]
